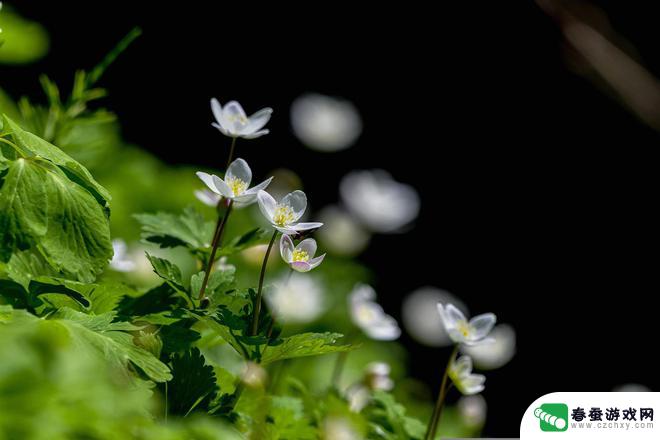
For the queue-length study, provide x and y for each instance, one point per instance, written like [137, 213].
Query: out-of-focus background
[524, 132]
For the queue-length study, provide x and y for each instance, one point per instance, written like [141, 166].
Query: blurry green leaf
[169, 230]
[163, 298]
[287, 420]
[391, 420]
[8, 106]
[251, 238]
[303, 344]
[193, 384]
[21, 41]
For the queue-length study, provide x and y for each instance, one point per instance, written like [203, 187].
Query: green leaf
[391, 420]
[110, 340]
[21, 41]
[168, 271]
[303, 344]
[101, 298]
[169, 230]
[251, 238]
[193, 385]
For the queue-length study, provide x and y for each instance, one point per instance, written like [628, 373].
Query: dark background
[538, 191]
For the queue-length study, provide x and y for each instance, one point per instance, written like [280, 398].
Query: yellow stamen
[464, 328]
[236, 185]
[283, 215]
[300, 255]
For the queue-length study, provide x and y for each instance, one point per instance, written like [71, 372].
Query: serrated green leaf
[168, 271]
[170, 230]
[193, 385]
[301, 345]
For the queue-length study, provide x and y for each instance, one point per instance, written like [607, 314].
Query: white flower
[460, 373]
[232, 121]
[325, 123]
[341, 233]
[378, 376]
[121, 262]
[369, 315]
[473, 410]
[208, 197]
[496, 354]
[421, 319]
[299, 300]
[463, 332]
[236, 183]
[378, 201]
[284, 214]
[300, 258]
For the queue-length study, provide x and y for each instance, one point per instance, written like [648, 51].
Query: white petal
[286, 248]
[267, 204]
[234, 118]
[297, 200]
[462, 367]
[472, 384]
[386, 329]
[316, 261]
[207, 197]
[222, 129]
[308, 245]
[305, 226]
[239, 169]
[216, 108]
[208, 180]
[453, 316]
[255, 189]
[222, 187]
[258, 120]
[255, 135]
[481, 326]
[245, 199]
[301, 266]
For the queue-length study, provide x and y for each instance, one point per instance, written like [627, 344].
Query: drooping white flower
[298, 300]
[497, 353]
[460, 373]
[420, 316]
[369, 315]
[341, 233]
[284, 214]
[300, 258]
[379, 202]
[236, 184]
[463, 332]
[121, 262]
[232, 121]
[208, 197]
[324, 123]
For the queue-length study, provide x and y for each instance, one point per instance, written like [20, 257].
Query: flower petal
[208, 180]
[267, 204]
[255, 135]
[239, 169]
[308, 245]
[481, 326]
[222, 187]
[258, 120]
[472, 384]
[316, 261]
[286, 248]
[207, 197]
[305, 226]
[300, 266]
[233, 118]
[297, 200]
[255, 189]
[386, 329]
[221, 128]
[462, 367]
[216, 108]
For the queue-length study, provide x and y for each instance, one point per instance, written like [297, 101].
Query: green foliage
[193, 386]
[21, 41]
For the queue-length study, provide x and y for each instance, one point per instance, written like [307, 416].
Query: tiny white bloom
[284, 214]
[300, 299]
[232, 121]
[460, 373]
[121, 262]
[421, 319]
[463, 332]
[325, 123]
[378, 376]
[300, 258]
[208, 197]
[379, 202]
[369, 315]
[235, 184]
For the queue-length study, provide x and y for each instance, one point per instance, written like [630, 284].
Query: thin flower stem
[257, 305]
[442, 394]
[222, 221]
[231, 153]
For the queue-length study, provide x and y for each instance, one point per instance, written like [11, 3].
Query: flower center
[236, 185]
[300, 255]
[464, 328]
[283, 215]
[237, 118]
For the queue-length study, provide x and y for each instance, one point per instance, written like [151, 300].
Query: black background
[538, 191]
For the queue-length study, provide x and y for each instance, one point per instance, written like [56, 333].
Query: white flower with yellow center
[232, 121]
[235, 184]
[460, 373]
[300, 258]
[370, 316]
[284, 214]
[462, 331]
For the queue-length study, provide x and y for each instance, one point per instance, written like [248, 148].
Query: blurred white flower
[497, 353]
[300, 258]
[421, 319]
[283, 215]
[222, 265]
[254, 255]
[121, 261]
[341, 234]
[324, 123]
[299, 300]
[463, 332]
[473, 409]
[208, 197]
[378, 201]
[236, 183]
[378, 376]
[460, 373]
[232, 121]
[369, 315]
[254, 375]
[339, 428]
